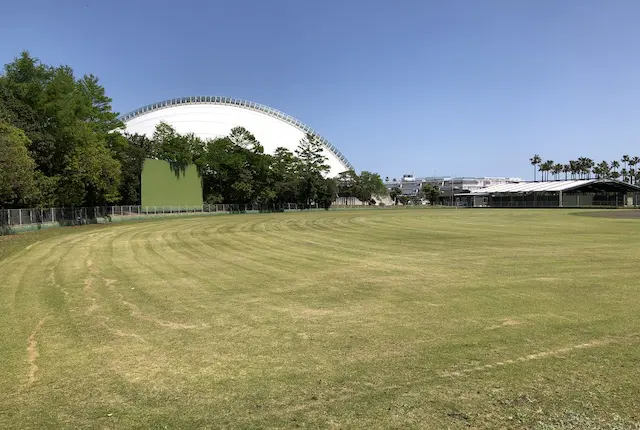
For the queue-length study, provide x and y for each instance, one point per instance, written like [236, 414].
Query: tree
[369, 185]
[535, 160]
[313, 165]
[633, 162]
[17, 169]
[625, 174]
[284, 175]
[545, 168]
[602, 170]
[431, 193]
[625, 160]
[566, 169]
[68, 122]
[347, 183]
[394, 193]
[615, 164]
[588, 166]
[557, 169]
[574, 168]
[131, 151]
[243, 138]
[327, 192]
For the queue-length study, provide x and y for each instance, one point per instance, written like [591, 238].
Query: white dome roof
[209, 117]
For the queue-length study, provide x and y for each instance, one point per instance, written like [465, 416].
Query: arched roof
[228, 101]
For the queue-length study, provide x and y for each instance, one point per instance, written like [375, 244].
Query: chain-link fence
[15, 220]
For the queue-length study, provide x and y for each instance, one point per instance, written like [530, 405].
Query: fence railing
[15, 220]
[18, 220]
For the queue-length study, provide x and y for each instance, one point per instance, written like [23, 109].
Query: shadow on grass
[611, 213]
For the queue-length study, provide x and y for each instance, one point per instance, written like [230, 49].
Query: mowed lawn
[343, 319]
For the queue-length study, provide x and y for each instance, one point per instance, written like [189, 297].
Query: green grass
[351, 319]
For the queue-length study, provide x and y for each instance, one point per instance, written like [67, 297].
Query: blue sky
[451, 87]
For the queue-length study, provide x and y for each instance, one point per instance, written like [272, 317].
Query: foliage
[431, 193]
[586, 168]
[394, 193]
[17, 168]
[370, 185]
[61, 145]
[312, 166]
[363, 187]
[67, 122]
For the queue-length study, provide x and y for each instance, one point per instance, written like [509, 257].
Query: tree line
[585, 168]
[60, 145]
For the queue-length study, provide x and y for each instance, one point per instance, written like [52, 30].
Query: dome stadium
[210, 117]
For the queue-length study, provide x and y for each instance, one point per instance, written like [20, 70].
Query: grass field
[354, 319]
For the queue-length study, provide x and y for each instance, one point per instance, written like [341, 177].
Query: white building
[410, 185]
[209, 117]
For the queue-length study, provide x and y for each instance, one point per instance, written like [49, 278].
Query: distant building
[411, 186]
[553, 194]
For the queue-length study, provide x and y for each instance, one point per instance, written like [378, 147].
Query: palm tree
[588, 164]
[557, 169]
[584, 167]
[566, 169]
[574, 168]
[544, 169]
[614, 165]
[602, 170]
[535, 160]
[606, 169]
[625, 160]
[633, 162]
[624, 174]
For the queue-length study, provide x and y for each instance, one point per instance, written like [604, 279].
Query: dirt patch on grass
[544, 354]
[505, 323]
[32, 352]
[611, 213]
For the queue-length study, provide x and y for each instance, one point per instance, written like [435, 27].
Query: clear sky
[405, 86]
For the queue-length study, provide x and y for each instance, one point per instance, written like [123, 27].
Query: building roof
[552, 186]
[228, 101]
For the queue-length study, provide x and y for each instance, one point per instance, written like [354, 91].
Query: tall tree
[394, 193]
[535, 161]
[603, 170]
[67, 122]
[347, 183]
[557, 169]
[625, 174]
[431, 193]
[545, 168]
[284, 175]
[369, 185]
[17, 169]
[633, 162]
[625, 159]
[312, 167]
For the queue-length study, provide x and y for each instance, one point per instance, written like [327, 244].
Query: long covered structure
[574, 193]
